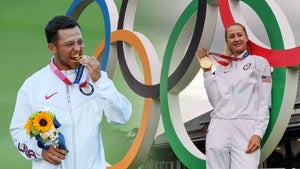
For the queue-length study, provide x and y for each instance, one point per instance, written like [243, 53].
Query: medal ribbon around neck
[227, 57]
[79, 72]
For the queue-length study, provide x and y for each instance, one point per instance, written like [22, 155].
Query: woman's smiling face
[236, 39]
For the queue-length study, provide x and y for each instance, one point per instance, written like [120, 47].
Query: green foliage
[24, 51]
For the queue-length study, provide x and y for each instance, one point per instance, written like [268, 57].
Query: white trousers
[226, 143]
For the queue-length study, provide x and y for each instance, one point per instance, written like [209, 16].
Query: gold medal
[205, 63]
[78, 57]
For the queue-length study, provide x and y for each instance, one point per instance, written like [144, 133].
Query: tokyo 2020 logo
[161, 82]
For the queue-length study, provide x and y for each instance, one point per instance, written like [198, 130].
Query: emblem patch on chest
[247, 66]
[87, 90]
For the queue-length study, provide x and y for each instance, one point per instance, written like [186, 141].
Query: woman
[239, 92]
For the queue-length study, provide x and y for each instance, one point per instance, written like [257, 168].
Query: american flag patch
[266, 79]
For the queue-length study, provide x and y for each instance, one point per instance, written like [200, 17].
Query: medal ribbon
[227, 57]
[79, 72]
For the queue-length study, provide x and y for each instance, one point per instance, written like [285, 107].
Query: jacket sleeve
[117, 107]
[210, 88]
[264, 96]
[27, 146]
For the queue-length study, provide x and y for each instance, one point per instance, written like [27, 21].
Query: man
[78, 93]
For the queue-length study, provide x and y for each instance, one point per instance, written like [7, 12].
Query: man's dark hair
[57, 23]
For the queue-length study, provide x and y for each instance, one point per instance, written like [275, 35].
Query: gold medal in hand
[205, 63]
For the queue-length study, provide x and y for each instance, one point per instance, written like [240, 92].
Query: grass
[24, 51]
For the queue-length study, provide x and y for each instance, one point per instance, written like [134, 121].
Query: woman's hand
[201, 54]
[254, 144]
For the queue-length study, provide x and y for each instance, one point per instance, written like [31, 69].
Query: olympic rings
[160, 85]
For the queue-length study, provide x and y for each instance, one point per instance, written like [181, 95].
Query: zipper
[73, 126]
[234, 73]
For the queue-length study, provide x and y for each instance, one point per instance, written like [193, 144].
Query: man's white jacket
[80, 116]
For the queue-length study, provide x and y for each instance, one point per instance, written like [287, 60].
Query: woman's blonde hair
[227, 51]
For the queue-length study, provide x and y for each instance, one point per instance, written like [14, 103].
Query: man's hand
[54, 155]
[93, 66]
[254, 144]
